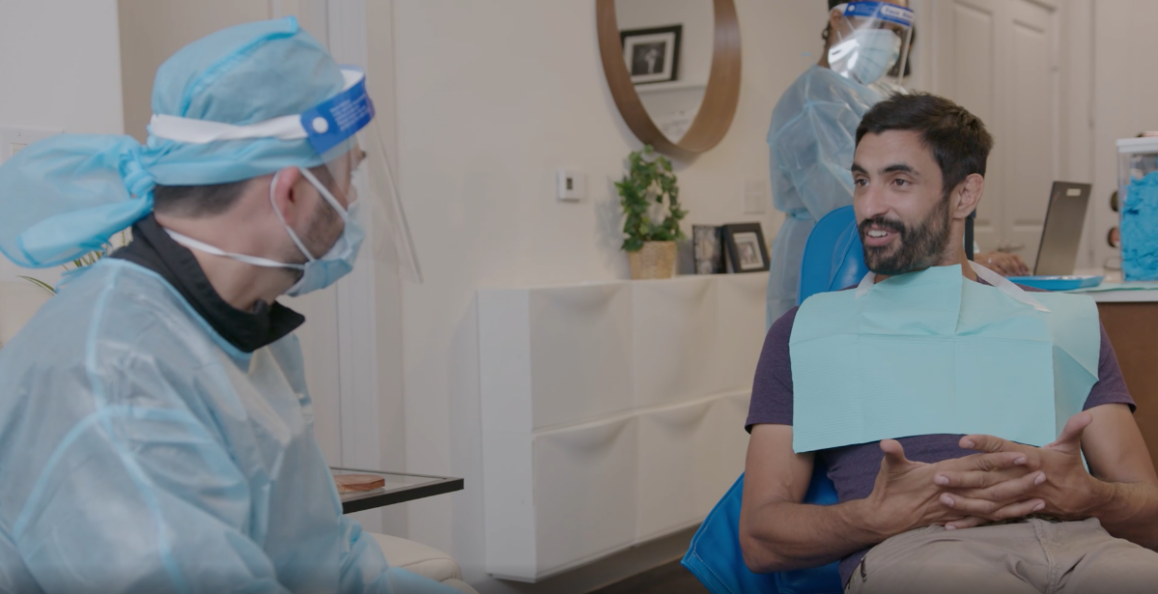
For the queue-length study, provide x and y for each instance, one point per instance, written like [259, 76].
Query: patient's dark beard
[920, 247]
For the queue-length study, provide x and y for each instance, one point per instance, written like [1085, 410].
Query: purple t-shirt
[853, 469]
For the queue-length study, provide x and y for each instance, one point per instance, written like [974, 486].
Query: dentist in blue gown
[155, 427]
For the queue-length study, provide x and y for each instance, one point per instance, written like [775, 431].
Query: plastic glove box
[1138, 199]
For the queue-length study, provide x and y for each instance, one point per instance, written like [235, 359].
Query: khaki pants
[1033, 556]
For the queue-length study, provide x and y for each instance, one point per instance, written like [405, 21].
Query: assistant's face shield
[870, 41]
[350, 150]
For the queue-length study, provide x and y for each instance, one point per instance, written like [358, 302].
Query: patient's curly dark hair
[958, 139]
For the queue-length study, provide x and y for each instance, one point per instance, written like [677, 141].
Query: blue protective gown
[141, 452]
[812, 139]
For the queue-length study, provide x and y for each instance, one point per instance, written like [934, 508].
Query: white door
[1125, 99]
[998, 59]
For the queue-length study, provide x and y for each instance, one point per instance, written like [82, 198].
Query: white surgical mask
[317, 273]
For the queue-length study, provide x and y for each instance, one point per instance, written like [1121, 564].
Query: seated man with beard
[951, 408]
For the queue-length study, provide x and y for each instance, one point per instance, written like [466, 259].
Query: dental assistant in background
[155, 426]
[812, 135]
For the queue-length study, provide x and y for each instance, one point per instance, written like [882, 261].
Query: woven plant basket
[656, 260]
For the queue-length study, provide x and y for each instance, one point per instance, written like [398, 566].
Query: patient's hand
[905, 495]
[1057, 484]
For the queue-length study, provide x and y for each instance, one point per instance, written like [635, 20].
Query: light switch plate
[13, 140]
[755, 196]
[571, 186]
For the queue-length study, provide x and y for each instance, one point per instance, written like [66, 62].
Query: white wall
[59, 69]
[492, 98]
[1123, 100]
[52, 54]
[153, 30]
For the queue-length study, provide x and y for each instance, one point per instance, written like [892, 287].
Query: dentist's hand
[1057, 483]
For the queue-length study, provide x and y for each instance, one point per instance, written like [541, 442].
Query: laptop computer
[1061, 234]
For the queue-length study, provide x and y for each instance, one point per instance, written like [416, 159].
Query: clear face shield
[355, 156]
[870, 41]
[360, 185]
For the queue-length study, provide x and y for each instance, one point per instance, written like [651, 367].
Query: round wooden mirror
[670, 93]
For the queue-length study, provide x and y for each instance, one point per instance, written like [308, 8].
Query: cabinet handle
[684, 416]
[589, 437]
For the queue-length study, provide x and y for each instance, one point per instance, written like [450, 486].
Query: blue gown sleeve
[141, 500]
[815, 150]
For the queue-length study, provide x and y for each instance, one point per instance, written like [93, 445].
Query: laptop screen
[1062, 232]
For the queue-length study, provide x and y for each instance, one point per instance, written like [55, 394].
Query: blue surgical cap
[66, 196]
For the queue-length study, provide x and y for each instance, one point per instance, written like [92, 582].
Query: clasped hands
[1006, 480]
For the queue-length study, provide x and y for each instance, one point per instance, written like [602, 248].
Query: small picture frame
[708, 245]
[747, 251]
[652, 55]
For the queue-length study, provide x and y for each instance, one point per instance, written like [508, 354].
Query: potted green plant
[649, 196]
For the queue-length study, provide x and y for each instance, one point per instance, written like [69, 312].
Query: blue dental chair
[833, 260]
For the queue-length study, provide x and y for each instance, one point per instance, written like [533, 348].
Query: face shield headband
[333, 128]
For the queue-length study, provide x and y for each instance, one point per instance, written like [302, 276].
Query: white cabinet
[585, 491]
[569, 347]
[729, 415]
[679, 450]
[674, 337]
[740, 329]
[613, 413]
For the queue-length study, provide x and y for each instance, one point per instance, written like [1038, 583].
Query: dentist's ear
[967, 195]
[286, 195]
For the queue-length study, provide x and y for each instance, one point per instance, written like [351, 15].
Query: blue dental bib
[931, 352]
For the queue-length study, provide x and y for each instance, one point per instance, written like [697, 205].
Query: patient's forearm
[785, 536]
[1130, 511]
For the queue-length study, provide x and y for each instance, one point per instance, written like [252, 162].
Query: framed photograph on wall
[708, 244]
[747, 251]
[652, 55]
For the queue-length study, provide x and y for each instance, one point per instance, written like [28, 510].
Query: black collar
[153, 249]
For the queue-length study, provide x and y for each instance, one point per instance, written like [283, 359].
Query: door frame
[1073, 54]
[367, 303]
